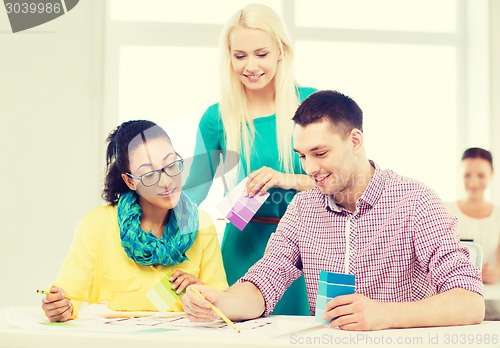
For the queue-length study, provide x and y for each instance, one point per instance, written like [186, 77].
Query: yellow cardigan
[98, 268]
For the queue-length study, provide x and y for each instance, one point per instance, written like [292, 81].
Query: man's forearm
[453, 307]
[242, 301]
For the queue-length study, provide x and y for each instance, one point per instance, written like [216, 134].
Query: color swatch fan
[330, 286]
[238, 208]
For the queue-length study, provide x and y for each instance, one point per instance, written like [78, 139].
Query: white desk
[486, 334]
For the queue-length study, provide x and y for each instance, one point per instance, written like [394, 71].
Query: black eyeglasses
[151, 178]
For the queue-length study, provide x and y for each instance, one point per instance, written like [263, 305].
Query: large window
[391, 15]
[408, 94]
[408, 63]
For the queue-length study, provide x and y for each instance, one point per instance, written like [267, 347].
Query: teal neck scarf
[144, 247]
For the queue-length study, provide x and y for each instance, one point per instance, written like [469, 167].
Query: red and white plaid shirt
[402, 244]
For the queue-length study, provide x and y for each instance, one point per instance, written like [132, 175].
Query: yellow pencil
[217, 311]
[74, 298]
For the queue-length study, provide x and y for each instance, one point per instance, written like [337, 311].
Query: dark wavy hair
[477, 152]
[120, 142]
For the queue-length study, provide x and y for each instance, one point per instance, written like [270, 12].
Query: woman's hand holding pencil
[56, 305]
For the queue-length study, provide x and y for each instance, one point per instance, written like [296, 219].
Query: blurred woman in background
[479, 219]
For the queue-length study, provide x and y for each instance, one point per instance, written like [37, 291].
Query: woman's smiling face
[477, 175]
[254, 57]
[156, 153]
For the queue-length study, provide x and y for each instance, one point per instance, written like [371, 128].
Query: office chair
[475, 253]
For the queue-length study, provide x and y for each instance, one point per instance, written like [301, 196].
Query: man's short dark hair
[340, 109]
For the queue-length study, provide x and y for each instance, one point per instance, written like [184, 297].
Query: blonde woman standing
[259, 97]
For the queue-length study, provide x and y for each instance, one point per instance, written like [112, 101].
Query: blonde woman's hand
[261, 180]
[181, 280]
[55, 306]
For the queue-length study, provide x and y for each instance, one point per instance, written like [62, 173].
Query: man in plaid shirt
[392, 232]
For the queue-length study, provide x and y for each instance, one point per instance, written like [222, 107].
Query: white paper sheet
[95, 318]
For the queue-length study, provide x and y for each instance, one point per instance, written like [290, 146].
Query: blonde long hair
[239, 129]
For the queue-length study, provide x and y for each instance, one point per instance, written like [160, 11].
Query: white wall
[51, 147]
[495, 94]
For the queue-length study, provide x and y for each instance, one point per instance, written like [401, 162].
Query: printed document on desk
[98, 318]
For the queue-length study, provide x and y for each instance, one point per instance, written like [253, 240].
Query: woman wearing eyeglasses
[148, 229]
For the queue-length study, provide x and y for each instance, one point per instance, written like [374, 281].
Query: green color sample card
[162, 296]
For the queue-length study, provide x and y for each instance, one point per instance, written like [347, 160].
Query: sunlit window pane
[396, 15]
[169, 85]
[175, 11]
[408, 95]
